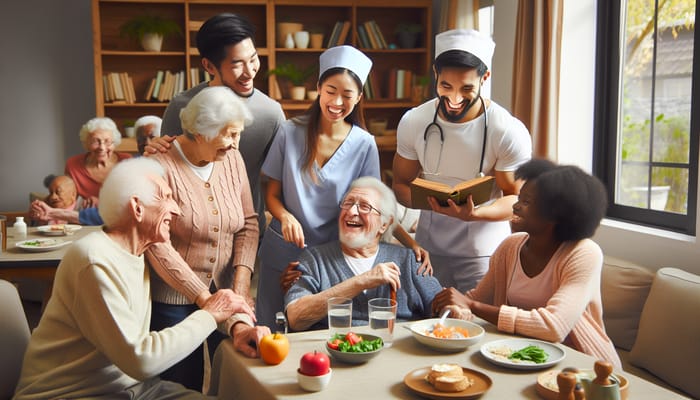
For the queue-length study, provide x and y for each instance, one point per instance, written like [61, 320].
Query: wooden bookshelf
[113, 53]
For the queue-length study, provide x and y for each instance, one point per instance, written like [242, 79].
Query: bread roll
[452, 383]
[440, 370]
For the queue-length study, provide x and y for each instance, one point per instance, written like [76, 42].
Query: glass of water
[382, 317]
[339, 315]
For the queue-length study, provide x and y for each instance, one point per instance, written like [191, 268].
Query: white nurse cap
[346, 57]
[469, 40]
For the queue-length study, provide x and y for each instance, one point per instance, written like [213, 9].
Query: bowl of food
[452, 335]
[353, 348]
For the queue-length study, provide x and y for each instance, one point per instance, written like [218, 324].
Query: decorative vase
[130, 131]
[298, 92]
[289, 42]
[152, 42]
[316, 40]
[284, 28]
[301, 39]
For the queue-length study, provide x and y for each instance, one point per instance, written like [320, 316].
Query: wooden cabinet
[116, 54]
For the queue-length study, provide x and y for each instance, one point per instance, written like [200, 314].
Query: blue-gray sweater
[324, 266]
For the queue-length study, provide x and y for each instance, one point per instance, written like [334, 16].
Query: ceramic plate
[415, 380]
[39, 245]
[58, 229]
[554, 353]
[419, 329]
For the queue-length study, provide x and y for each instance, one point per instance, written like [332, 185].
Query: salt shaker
[20, 228]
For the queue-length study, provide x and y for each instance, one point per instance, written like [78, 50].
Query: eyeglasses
[100, 142]
[362, 207]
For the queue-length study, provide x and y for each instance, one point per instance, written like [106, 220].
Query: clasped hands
[222, 305]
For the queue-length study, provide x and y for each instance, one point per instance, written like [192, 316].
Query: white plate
[50, 230]
[39, 245]
[554, 352]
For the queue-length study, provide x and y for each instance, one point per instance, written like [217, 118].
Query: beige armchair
[14, 337]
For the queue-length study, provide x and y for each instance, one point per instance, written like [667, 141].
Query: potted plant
[150, 30]
[296, 76]
[407, 35]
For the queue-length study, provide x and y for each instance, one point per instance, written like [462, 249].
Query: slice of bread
[442, 370]
[452, 383]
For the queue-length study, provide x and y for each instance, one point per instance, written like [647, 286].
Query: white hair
[99, 123]
[387, 201]
[128, 178]
[212, 109]
[148, 120]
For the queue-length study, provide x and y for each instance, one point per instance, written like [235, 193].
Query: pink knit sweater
[573, 313]
[217, 231]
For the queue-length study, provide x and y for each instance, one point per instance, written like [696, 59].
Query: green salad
[354, 343]
[530, 353]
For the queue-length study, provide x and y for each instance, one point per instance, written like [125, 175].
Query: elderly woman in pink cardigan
[217, 231]
[544, 280]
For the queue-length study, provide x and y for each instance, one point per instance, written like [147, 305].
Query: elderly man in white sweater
[93, 340]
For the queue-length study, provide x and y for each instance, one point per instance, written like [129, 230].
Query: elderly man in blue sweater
[359, 265]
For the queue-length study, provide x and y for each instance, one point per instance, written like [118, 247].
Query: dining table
[18, 263]
[235, 376]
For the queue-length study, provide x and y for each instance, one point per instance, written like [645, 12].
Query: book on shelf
[400, 76]
[362, 37]
[342, 37]
[391, 84]
[335, 33]
[377, 34]
[370, 34]
[159, 82]
[479, 188]
[116, 86]
[149, 91]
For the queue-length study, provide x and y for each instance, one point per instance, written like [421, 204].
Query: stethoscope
[426, 136]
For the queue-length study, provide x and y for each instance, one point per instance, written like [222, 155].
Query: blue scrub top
[315, 206]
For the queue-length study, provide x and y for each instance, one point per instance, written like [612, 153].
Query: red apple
[314, 364]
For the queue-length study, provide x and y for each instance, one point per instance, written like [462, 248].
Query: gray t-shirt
[255, 139]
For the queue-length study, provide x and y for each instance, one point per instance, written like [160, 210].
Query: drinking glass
[382, 318]
[339, 315]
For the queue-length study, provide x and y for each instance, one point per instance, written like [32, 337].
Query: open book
[480, 189]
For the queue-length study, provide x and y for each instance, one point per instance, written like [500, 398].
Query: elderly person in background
[93, 340]
[543, 281]
[100, 137]
[217, 231]
[358, 266]
[62, 196]
[147, 128]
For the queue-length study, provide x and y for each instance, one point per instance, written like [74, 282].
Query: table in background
[235, 376]
[16, 263]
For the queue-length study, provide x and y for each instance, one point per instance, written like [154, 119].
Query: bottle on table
[20, 228]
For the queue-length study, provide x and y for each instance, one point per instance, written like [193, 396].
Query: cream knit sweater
[217, 230]
[575, 310]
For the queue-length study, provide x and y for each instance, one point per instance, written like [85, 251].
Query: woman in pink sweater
[213, 242]
[544, 280]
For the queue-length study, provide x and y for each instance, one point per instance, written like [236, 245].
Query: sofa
[653, 320]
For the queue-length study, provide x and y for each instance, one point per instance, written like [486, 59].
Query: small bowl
[476, 332]
[314, 383]
[355, 358]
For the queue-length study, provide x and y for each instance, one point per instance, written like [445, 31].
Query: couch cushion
[624, 289]
[667, 344]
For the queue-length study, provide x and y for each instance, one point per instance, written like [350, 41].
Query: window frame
[605, 137]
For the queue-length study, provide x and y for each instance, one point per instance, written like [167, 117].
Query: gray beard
[355, 241]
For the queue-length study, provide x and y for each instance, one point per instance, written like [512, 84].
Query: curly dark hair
[566, 195]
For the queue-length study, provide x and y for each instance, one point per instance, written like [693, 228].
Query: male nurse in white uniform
[454, 137]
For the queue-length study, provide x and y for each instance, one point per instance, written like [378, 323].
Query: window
[646, 119]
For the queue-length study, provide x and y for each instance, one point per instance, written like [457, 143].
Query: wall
[46, 73]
